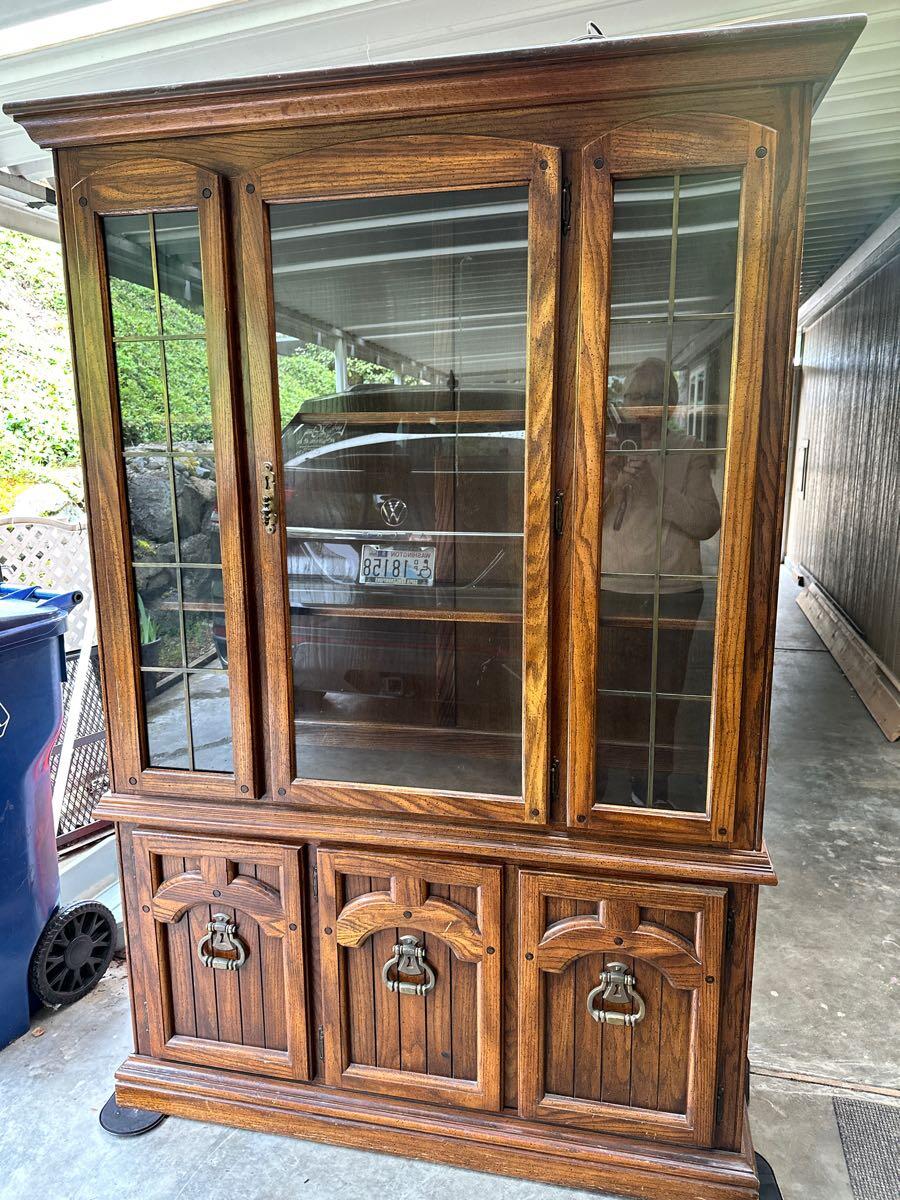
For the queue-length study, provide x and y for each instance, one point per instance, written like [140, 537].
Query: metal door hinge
[559, 511]
[554, 779]
[566, 207]
[720, 1104]
[315, 883]
[729, 928]
[321, 1040]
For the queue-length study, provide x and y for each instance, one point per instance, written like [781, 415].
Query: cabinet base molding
[500, 1144]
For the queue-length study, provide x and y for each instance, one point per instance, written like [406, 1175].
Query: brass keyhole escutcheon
[407, 972]
[220, 947]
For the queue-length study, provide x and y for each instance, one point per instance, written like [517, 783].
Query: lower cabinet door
[619, 1005]
[220, 952]
[410, 961]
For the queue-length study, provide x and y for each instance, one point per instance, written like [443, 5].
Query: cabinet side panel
[781, 328]
[131, 907]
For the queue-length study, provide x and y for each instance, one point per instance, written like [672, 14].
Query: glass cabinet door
[169, 575]
[406, 481]
[666, 462]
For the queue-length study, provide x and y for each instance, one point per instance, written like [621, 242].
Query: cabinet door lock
[268, 514]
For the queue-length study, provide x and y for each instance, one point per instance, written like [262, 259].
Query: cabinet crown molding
[806, 51]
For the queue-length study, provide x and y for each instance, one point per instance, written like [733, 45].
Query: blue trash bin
[32, 670]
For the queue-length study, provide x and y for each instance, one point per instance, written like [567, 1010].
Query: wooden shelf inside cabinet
[626, 621]
[412, 614]
[637, 412]
[321, 730]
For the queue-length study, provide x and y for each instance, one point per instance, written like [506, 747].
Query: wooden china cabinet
[434, 419]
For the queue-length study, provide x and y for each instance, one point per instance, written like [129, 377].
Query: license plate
[397, 566]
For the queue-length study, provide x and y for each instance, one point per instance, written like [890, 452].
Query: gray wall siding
[845, 530]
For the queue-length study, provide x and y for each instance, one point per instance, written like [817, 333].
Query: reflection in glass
[681, 751]
[621, 767]
[153, 262]
[159, 616]
[458, 544]
[195, 507]
[204, 617]
[180, 277]
[168, 742]
[190, 410]
[150, 508]
[642, 236]
[685, 638]
[210, 708]
[142, 408]
[401, 356]
[130, 267]
[708, 210]
[674, 257]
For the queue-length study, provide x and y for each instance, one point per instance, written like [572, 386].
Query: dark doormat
[768, 1186]
[870, 1135]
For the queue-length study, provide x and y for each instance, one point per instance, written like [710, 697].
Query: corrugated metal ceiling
[854, 180]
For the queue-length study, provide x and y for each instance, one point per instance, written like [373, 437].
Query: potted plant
[150, 644]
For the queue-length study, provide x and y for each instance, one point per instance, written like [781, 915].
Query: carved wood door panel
[619, 1004]
[411, 964]
[221, 953]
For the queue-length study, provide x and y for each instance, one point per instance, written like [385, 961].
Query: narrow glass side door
[159, 336]
[159, 430]
[669, 481]
[407, 418]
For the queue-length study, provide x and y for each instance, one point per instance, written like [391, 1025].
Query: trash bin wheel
[73, 952]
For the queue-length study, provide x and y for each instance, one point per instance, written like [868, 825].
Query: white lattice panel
[51, 554]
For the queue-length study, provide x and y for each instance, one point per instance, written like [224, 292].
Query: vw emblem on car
[393, 511]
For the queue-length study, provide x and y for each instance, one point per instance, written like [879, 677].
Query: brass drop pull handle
[616, 986]
[267, 513]
[408, 960]
[220, 947]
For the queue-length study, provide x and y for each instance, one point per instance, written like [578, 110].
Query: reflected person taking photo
[659, 505]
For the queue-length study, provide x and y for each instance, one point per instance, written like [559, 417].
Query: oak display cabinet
[434, 420]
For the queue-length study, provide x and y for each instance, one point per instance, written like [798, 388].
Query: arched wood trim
[144, 185]
[676, 143]
[189, 889]
[670, 953]
[409, 163]
[442, 919]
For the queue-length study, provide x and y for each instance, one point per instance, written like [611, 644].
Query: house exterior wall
[845, 512]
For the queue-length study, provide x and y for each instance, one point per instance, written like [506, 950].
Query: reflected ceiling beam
[435, 322]
[330, 264]
[421, 217]
[625, 195]
[291, 325]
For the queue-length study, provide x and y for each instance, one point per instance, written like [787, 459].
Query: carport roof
[854, 164]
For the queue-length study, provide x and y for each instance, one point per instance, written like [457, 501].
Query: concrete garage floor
[824, 1007]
